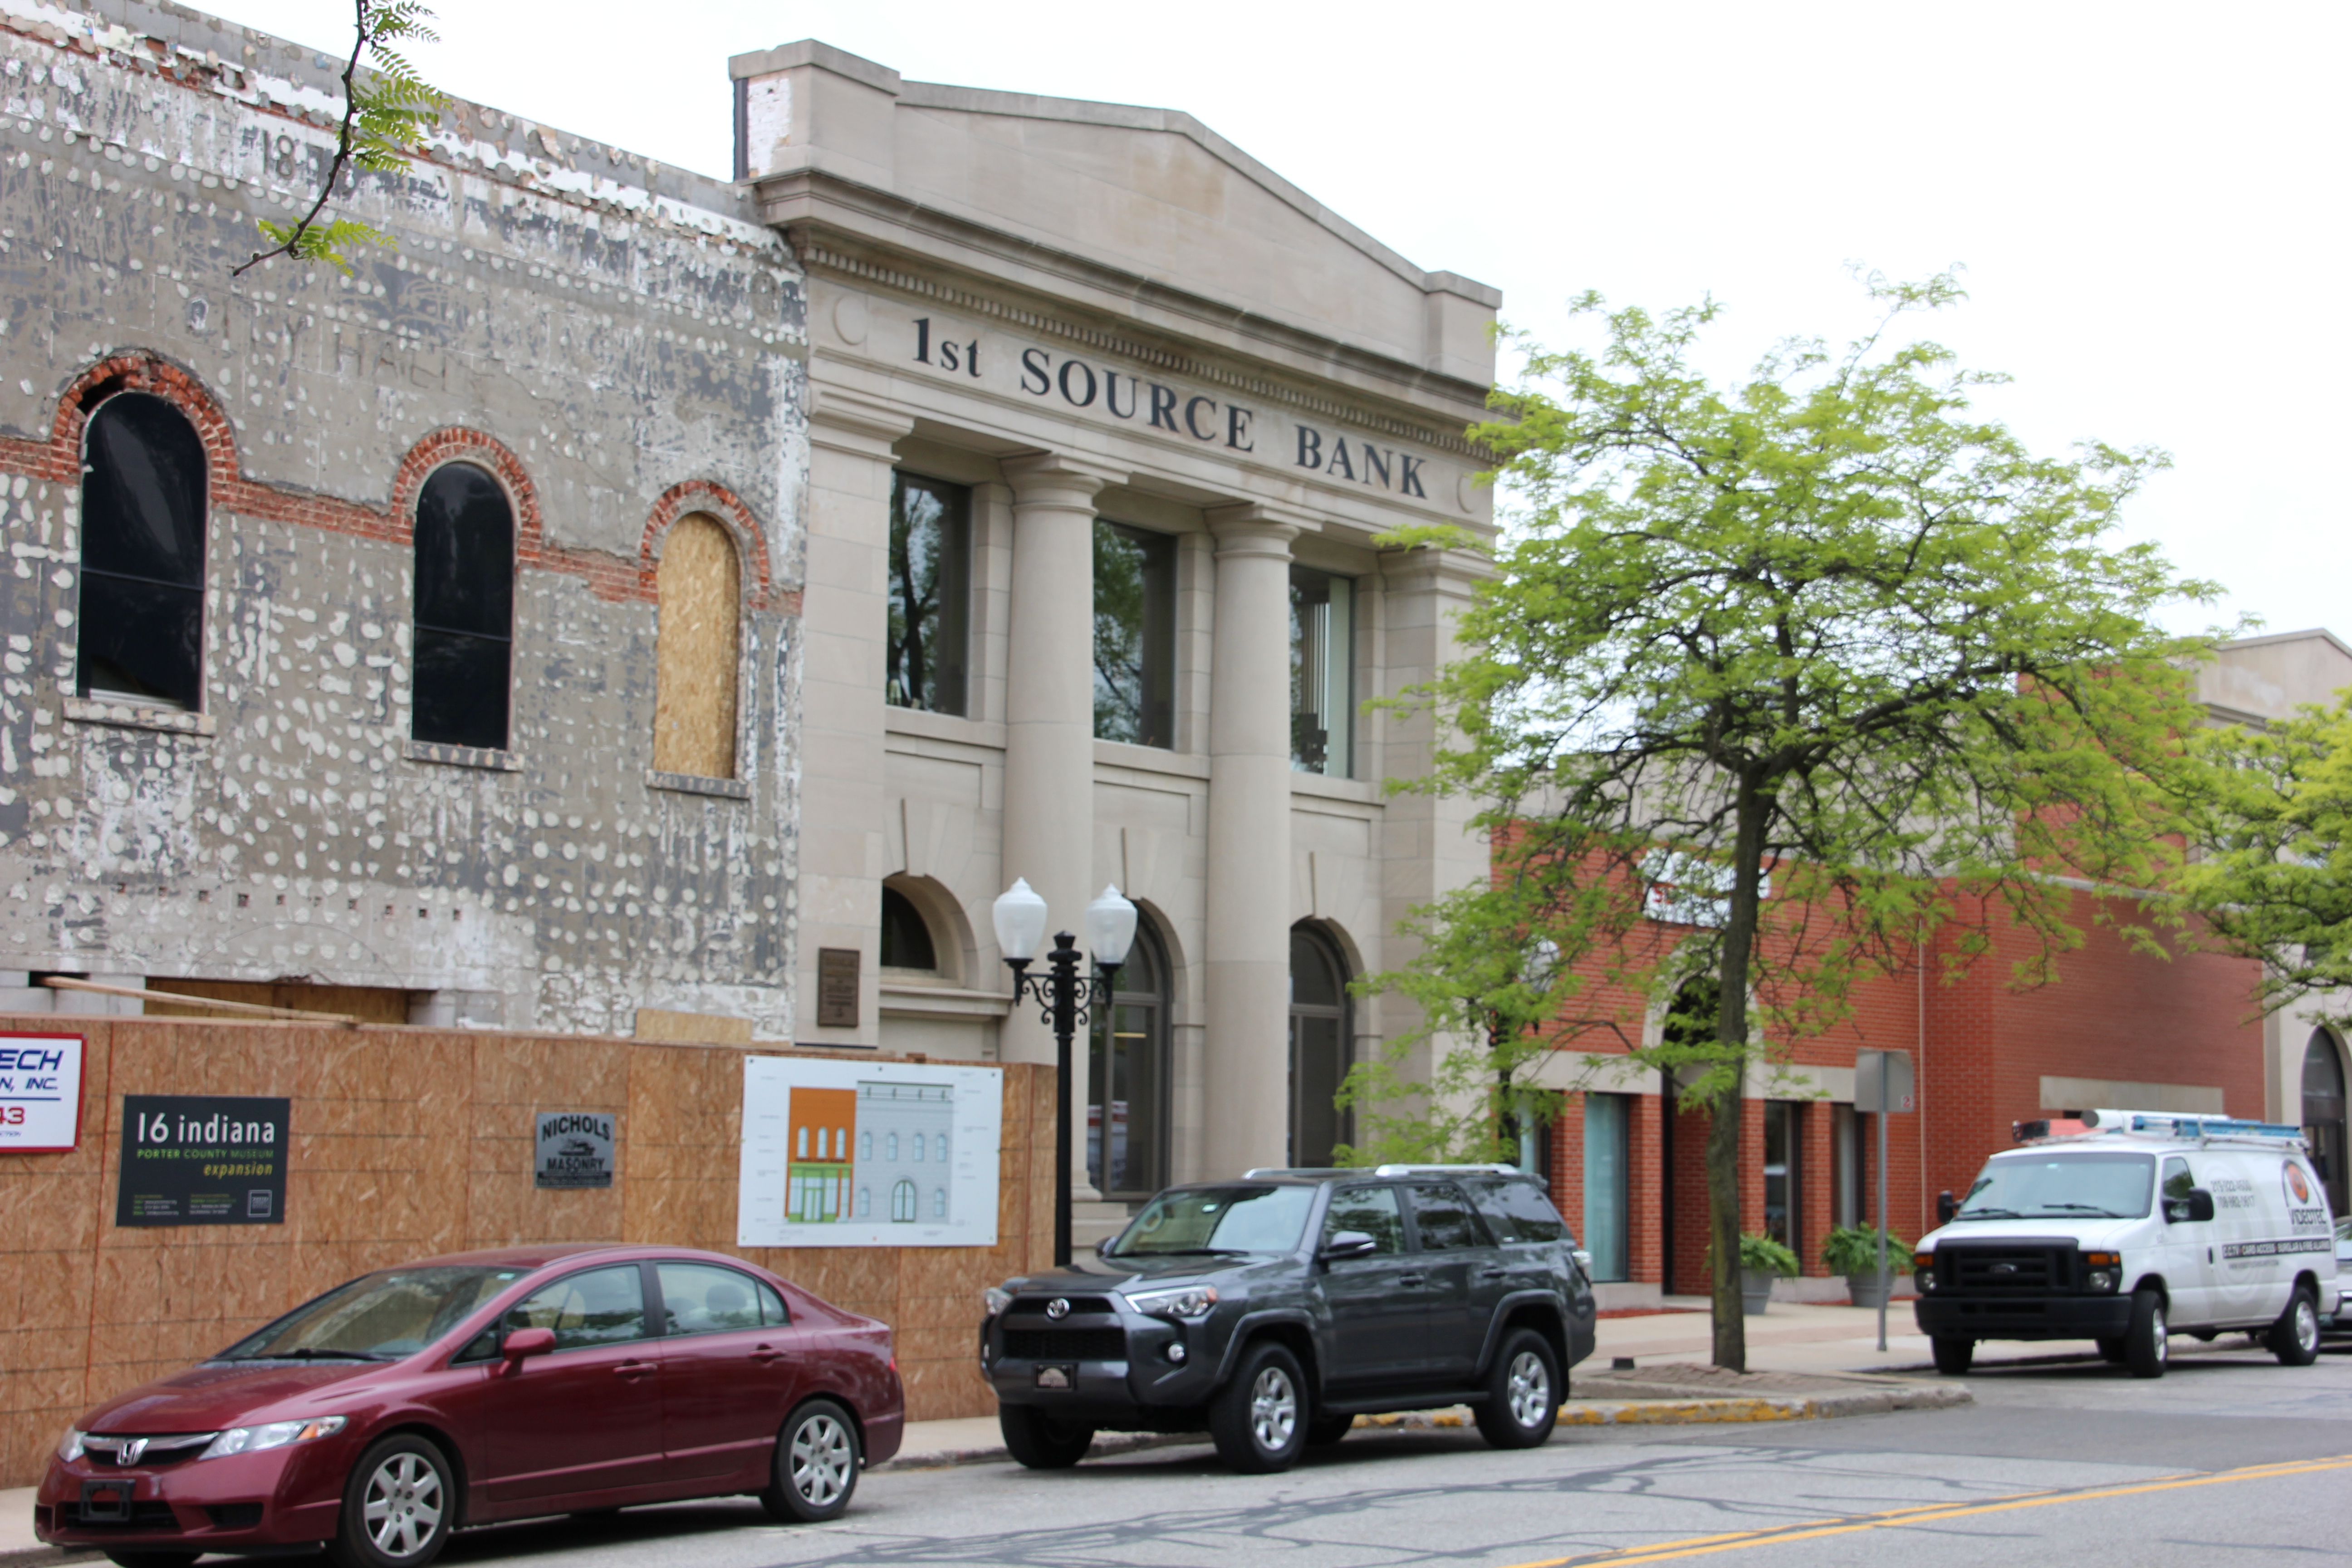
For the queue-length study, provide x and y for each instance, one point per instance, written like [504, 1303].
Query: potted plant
[1852, 1251]
[1761, 1258]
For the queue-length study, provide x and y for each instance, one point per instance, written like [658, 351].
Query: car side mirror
[2192, 1206]
[1946, 1206]
[1349, 1244]
[1102, 1247]
[524, 1342]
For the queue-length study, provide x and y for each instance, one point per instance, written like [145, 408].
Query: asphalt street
[2230, 1459]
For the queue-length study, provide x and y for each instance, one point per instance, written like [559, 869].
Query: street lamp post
[1068, 998]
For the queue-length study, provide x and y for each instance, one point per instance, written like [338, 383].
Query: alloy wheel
[1274, 1409]
[1530, 1389]
[822, 1457]
[403, 1505]
[2306, 1325]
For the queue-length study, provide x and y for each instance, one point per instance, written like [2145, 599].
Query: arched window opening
[1318, 1045]
[695, 649]
[2323, 1116]
[906, 935]
[464, 609]
[919, 1148]
[1128, 1081]
[865, 1203]
[902, 1202]
[140, 632]
[939, 1203]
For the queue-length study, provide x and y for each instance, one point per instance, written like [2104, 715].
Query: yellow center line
[1933, 1513]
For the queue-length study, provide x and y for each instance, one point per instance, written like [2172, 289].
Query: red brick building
[2117, 1027]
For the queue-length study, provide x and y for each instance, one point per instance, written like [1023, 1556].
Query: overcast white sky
[2148, 197]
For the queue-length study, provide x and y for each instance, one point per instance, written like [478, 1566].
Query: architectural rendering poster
[846, 1154]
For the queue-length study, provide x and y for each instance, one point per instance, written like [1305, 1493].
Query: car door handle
[1409, 1278]
[634, 1369]
[766, 1353]
[1492, 1273]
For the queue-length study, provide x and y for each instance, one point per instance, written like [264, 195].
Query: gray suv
[1272, 1310]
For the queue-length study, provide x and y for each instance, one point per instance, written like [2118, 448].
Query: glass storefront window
[1322, 673]
[1127, 1121]
[1135, 636]
[930, 576]
[1783, 1156]
[1607, 1188]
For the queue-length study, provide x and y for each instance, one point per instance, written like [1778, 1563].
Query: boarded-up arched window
[701, 584]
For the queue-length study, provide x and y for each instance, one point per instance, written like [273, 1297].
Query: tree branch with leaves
[386, 111]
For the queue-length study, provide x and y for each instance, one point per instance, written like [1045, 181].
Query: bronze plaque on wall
[836, 987]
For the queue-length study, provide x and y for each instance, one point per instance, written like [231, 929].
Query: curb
[1593, 1413]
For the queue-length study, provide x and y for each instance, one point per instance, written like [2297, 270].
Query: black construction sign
[202, 1158]
[574, 1148]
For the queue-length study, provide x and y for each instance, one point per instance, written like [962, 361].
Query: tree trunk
[1723, 1171]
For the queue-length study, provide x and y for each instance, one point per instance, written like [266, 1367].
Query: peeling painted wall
[622, 337]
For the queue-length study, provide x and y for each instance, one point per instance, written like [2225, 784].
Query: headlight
[276, 1435]
[2106, 1272]
[70, 1446]
[996, 1301]
[1186, 1301]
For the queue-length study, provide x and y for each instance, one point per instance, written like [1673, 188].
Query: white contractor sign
[847, 1154]
[40, 1093]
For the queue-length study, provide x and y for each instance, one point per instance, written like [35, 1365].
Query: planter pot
[1864, 1288]
[1755, 1290]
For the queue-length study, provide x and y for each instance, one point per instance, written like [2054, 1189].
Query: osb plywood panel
[695, 650]
[406, 1143]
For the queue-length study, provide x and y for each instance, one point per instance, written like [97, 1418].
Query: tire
[1039, 1441]
[1326, 1430]
[399, 1506]
[1522, 1399]
[131, 1557]
[2147, 1342]
[815, 1472]
[2115, 1350]
[2294, 1338]
[1954, 1354]
[1259, 1419]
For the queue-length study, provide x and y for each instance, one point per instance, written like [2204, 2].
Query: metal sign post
[1882, 1086]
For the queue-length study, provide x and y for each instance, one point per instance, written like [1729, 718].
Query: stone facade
[619, 345]
[1071, 314]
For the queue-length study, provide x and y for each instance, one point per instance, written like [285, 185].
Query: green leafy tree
[385, 113]
[2275, 878]
[1775, 681]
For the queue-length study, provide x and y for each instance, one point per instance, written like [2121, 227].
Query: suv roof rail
[1493, 1168]
[1259, 1173]
[2188, 1124]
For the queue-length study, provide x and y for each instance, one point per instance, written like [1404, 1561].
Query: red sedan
[479, 1387]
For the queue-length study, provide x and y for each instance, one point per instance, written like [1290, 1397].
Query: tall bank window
[1135, 636]
[1322, 673]
[1318, 1045]
[931, 596]
[143, 554]
[1127, 1121]
[464, 609]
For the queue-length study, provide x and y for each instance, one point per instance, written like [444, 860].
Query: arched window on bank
[1318, 1045]
[2323, 1115]
[1127, 1078]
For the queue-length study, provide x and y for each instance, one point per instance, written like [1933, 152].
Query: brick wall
[410, 1142]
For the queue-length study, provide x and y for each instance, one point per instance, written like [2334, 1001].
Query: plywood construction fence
[410, 1141]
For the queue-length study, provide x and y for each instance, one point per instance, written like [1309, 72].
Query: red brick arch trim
[751, 539]
[59, 460]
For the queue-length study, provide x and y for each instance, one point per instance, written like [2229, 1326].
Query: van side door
[2191, 1250]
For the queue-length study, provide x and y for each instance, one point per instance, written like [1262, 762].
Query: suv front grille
[1065, 1344]
[1034, 1306]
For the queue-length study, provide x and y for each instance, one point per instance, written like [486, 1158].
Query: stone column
[1049, 730]
[1248, 945]
[844, 801]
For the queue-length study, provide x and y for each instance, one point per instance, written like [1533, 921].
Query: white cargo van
[2126, 1226]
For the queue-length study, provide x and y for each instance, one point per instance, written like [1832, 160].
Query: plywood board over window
[701, 582]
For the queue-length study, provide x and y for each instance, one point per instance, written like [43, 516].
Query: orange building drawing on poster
[816, 1177]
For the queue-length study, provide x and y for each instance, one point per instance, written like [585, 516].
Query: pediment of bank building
[1140, 214]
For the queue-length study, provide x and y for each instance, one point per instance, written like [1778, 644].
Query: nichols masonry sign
[574, 1148]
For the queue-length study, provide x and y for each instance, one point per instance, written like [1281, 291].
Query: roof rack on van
[2186, 1125]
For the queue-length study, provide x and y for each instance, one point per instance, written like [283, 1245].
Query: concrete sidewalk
[1802, 1336]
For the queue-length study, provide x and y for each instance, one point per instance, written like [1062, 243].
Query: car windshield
[2094, 1186]
[378, 1317]
[1210, 1220]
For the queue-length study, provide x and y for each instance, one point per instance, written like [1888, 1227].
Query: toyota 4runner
[1272, 1310]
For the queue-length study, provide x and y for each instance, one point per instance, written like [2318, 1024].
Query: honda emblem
[133, 1448]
